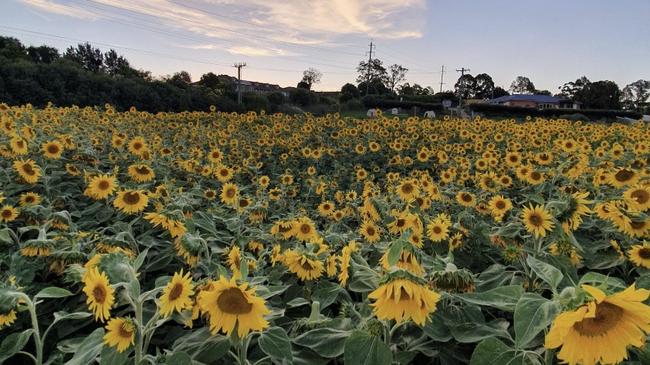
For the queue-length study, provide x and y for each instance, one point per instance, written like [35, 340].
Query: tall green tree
[395, 75]
[522, 85]
[484, 87]
[465, 87]
[635, 95]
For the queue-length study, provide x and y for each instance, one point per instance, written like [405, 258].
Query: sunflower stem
[138, 342]
[38, 342]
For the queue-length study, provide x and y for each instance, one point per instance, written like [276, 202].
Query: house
[259, 87]
[535, 101]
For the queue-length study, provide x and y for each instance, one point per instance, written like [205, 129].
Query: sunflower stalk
[38, 342]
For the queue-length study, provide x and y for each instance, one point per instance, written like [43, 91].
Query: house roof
[540, 99]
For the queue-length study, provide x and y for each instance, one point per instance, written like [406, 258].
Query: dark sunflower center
[99, 293]
[535, 175]
[233, 301]
[137, 145]
[535, 220]
[500, 204]
[209, 194]
[466, 198]
[644, 253]
[28, 169]
[125, 331]
[176, 291]
[404, 295]
[641, 196]
[53, 149]
[607, 317]
[437, 230]
[6, 213]
[230, 192]
[131, 198]
[29, 199]
[243, 203]
[307, 266]
[401, 222]
[223, 172]
[624, 175]
[305, 228]
[370, 231]
[407, 188]
[103, 185]
[142, 170]
[636, 225]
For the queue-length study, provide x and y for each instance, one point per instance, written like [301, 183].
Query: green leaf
[275, 343]
[89, 348]
[475, 332]
[532, 315]
[327, 342]
[436, 329]
[297, 302]
[364, 349]
[110, 356]
[202, 346]
[492, 351]
[60, 316]
[52, 292]
[14, 343]
[597, 279]
[394, 252]
[504, 297]
[326, 293]
[140, 259]
[547, 272]
[178, 358]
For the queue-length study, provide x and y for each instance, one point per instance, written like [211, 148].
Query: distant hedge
[377, 102]
[515, 111]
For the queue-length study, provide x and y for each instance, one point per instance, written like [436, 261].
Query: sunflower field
[217, 238]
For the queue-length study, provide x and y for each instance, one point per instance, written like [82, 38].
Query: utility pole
[369, 68]
[442, 75]
[460, 96]
[239, 67]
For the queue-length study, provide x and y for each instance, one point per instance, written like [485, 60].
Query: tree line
[84, 75]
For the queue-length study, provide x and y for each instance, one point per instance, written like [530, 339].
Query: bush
[353, 104]
[513, 111]
[256, 102]
[276, 98]
[302, 97]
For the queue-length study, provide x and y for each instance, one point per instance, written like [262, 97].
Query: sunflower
[623, 177]
[577, 209]
[370, 231]
[120, 333]
[229, 194]
[303, 266]
[28, 170]
[101, 187]
[407, 261]
[131, 201]
[466, 199]
[438, 229]
[210, 194]
[99, 292]
[326, 208]
[640, 255]
[223, 173]
[637, 227]
[403, 299]
[408, 190]
[138, 146]
[601, 330]
[52, 150]
[499, 207]
[304, 229]
[230, 305]
[176, 295]
[141, 173]
[29, 198]
[19, 146]
[8, 214]
[537, 220]
[8, 318]
[637, 198]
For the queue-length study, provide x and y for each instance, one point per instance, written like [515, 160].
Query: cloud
[61, 9]
[262, 27]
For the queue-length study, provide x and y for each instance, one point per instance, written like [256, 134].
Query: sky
[551, 41]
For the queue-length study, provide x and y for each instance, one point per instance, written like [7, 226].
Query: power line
[239, 67]
[148, 52]
[442, 75]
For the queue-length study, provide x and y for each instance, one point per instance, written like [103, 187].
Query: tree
[12, 48]
[180, 79]
[396, 74]
[635, 95]
[600, 95]
[115, 64]
[311, 76]
[571, 89]
[371, 71]
[348, 92]
[407, 89]
[522, 85]
[375, 86]
[484, 87]
[543, 92]
[217, 84]
[499, 92]
[303, 85]
[465, 87]
[43, 54]
[89, 58]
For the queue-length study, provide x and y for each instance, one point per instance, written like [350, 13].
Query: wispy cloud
[262, 27]
[59, 8]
